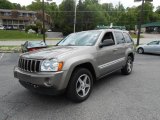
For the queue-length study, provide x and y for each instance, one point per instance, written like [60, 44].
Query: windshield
[87, 38]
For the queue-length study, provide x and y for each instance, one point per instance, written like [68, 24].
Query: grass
[10, 48]
[135, 36]
[17, 35]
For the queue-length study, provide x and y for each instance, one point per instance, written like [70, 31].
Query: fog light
[47, 82]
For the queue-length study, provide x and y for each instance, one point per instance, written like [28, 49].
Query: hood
[50, 52]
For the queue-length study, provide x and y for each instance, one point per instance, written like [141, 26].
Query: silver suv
[76, 62]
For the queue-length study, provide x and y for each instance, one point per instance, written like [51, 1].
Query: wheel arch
[131, 55]
[87, 65]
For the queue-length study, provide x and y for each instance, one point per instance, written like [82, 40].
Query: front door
[107, 56]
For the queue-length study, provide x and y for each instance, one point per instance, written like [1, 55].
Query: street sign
[145, 0]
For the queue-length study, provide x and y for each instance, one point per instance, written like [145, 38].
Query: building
[153, 27]
[18, 19]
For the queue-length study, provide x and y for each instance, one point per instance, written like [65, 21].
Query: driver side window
[108, 37]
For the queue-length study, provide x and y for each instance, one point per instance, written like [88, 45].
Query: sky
[126, 3]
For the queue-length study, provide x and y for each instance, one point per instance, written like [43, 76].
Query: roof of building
[153, 24]
[10, 10]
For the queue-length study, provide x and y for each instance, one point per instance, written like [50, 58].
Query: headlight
[51, 65]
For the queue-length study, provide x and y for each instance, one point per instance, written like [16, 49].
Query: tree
[36, 5]
[158, 10]
[5, 4]
[17, 6]
[80, 16]
[66, 16]
[147, 12]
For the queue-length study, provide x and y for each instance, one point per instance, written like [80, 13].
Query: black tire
[127, 69]
[140, 50]
[75, 85]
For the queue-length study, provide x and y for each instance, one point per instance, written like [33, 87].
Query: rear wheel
[140, 50]
[80, 85]
[128, 67]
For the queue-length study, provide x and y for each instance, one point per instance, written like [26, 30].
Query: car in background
[31, 31]
[49, 30]
[9, 27]
[2, 28]
[29, 46]
[152, 47]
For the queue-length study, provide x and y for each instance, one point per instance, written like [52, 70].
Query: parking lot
[116, 97]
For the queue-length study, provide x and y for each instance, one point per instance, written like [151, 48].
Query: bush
[67, 30]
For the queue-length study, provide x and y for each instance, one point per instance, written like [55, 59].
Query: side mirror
[107, 42]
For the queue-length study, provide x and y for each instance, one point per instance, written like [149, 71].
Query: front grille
[29, 65]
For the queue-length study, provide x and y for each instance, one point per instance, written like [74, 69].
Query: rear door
[121, 46]
[156, 48]
[152, 47]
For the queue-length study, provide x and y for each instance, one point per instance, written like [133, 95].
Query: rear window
[127, 38]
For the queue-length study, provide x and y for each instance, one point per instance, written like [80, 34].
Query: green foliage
[66, 18]
[158, 10]
[36, 5]
[33, 27]
[5, 4]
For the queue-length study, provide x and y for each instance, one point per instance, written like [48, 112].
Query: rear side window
[154, 43]
[119, 37]
[127, 38]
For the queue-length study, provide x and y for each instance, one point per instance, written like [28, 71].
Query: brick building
[18, 19]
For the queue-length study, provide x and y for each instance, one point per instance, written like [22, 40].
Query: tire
[127, 69]
[80, 85]
[140, 50]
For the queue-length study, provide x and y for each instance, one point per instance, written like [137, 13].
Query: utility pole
[75, 16]
[43, 22]
[140, 22]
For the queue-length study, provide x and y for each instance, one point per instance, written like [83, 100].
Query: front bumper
[42, 82]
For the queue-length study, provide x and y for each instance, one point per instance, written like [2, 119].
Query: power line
[90, 11]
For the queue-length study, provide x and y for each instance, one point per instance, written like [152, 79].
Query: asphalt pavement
[116, 97]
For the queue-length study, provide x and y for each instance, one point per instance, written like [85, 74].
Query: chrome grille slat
[23, 64]
[35, 66]
[29, 65]
[20, 63]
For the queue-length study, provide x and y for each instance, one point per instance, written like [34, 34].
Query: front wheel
[128, 67]
[140, 50]
[80, 85]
